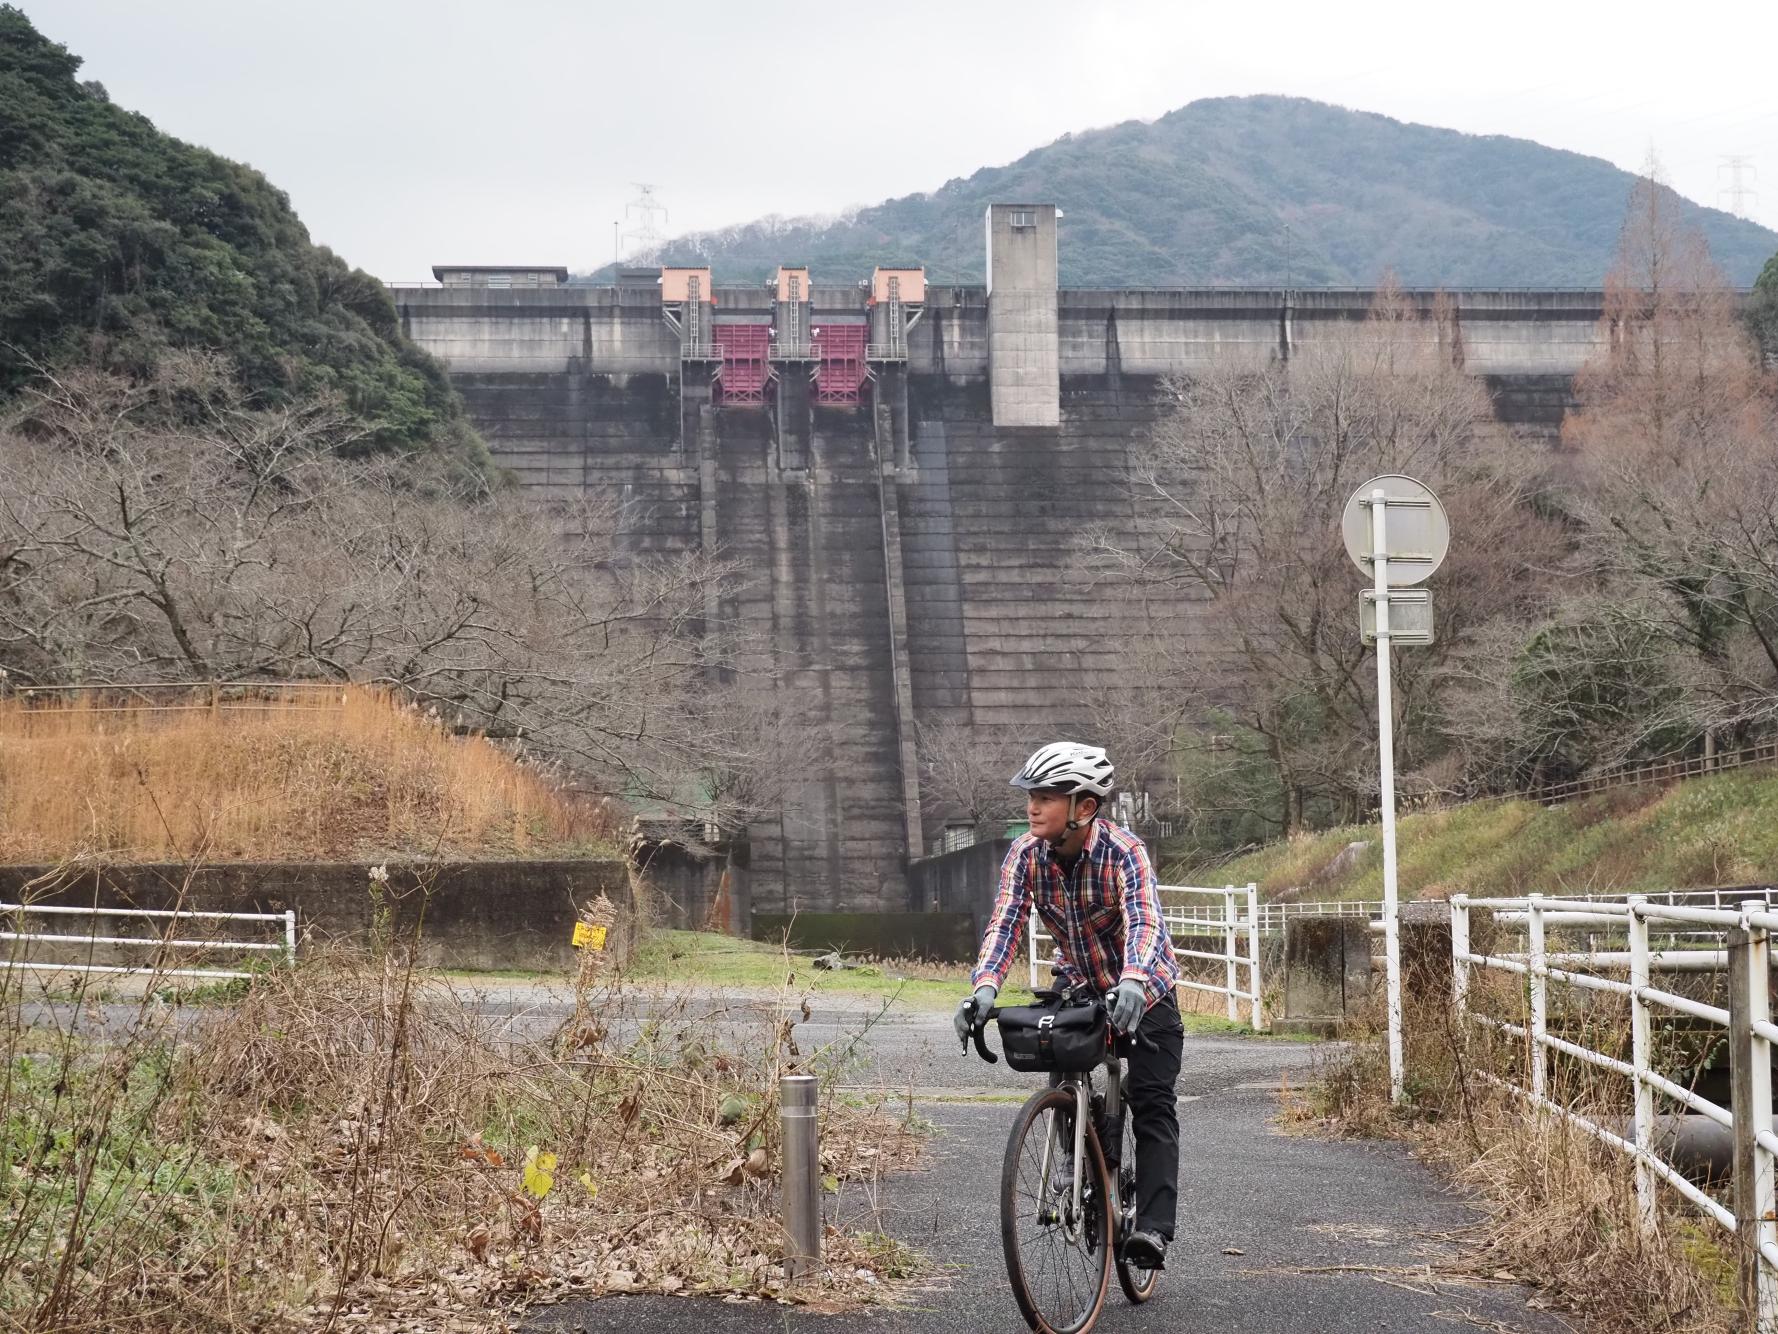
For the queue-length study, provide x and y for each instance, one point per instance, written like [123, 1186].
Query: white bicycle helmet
[1067, 767]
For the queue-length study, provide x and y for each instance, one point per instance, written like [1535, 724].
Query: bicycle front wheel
[1058, 1250]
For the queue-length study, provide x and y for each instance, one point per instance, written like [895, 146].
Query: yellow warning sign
[589, 937]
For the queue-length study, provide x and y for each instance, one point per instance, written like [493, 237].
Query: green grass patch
[81, 1137]
[704, 958]
[1720, 830]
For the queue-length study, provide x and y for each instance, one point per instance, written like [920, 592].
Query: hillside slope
[120, 242]
[1202, 196]
[270, 774]
[1704, 832]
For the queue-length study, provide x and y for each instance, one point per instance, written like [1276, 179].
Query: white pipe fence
[1741, 937]
[285, 947]
[1232, 913]
[1274, 916]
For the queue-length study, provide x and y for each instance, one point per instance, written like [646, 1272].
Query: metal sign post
[1386, 765]
[1418, 547]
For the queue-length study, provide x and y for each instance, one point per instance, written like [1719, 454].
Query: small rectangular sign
[587, 936]
[1410, 616]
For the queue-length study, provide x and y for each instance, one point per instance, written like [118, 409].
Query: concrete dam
[901, 467]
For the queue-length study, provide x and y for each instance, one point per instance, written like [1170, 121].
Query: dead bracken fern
[356, 1144]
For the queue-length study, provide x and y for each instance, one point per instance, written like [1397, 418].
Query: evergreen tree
[122, 242]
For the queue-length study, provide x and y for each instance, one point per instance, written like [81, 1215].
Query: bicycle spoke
[1062, 1271]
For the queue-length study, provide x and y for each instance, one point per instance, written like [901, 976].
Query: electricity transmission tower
[644, 235]
[1739, 193]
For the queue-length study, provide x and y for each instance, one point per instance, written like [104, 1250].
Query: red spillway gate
[744, 373]
[840, 374]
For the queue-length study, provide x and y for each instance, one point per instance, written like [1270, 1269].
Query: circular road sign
[1417, 532]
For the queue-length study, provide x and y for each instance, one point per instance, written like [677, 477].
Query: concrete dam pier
[901, 468]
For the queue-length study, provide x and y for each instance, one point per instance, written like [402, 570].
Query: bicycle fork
[1082, 1110]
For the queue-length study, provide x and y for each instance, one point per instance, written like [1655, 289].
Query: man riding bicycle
[1094, 890]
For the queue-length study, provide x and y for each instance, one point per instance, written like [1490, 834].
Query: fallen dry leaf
[477, 1241]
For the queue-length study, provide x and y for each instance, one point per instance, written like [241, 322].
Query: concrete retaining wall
[962, 882]
[505, 915]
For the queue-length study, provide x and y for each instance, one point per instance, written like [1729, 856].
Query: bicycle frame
[1082, 1084]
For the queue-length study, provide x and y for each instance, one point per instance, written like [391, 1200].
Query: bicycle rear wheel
[1138, 1284]
[1058, 1257]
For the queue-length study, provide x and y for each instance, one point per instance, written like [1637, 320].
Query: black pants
[1150, 1098]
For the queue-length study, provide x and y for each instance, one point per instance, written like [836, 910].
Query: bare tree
[134, 546]
[1675, 440]
[1252, 469]
[965, 772]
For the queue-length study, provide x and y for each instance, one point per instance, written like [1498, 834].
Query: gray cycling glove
[1128, 1002]
[969, 1010]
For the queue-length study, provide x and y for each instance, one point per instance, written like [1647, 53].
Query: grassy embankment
[353, 775]
[347, 775]
[1721, 830]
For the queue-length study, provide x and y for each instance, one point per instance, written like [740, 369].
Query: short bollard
[802, 1174]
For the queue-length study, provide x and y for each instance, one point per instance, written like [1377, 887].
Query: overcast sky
[415, 132]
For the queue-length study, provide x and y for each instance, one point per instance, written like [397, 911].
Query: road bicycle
[1064, 1209]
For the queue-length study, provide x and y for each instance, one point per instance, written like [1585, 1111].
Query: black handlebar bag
[1053, 1036]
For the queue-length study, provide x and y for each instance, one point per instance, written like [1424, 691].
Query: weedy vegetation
[354, 1143]
[1559, 1209]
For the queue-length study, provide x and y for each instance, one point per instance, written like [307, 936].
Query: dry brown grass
[356, 1145]
[1560, 1208]
[341, 774]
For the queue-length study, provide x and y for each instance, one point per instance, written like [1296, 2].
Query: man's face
[1048, 812]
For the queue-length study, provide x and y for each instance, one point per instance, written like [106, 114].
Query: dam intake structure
[901, 468]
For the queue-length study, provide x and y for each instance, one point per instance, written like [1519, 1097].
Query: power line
[1739, 192]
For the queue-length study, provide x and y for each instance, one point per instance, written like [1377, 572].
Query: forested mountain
[118, 242]
[1203, 195]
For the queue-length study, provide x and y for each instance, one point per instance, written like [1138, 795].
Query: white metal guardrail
[162, 942]
[1741, 937]
[1274, 916]
[1186, 914]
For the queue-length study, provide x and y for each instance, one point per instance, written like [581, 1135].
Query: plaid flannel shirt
[1103, 912]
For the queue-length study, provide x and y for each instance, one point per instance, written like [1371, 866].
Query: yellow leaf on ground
[540, 1172]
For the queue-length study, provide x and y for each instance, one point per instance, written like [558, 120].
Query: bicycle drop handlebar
[978, 1029]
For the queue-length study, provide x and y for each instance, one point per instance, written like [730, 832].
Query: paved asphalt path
[1277, 1233]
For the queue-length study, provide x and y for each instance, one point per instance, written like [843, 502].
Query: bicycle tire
[1034, 1286]
[1138, 1284]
